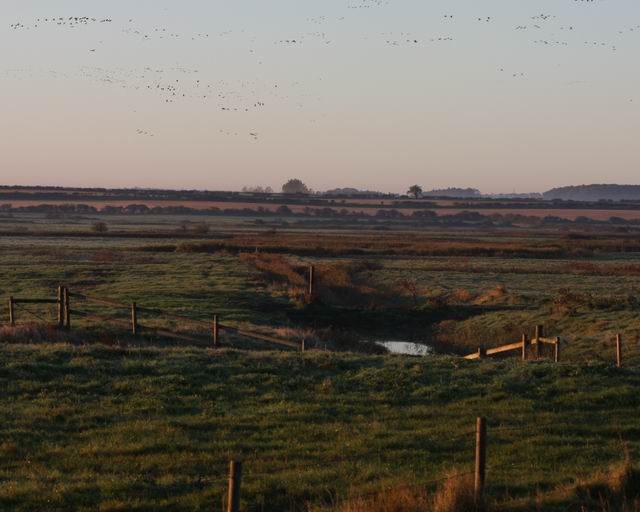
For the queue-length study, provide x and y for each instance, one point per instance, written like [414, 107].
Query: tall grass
[455, 494]
[400, 499]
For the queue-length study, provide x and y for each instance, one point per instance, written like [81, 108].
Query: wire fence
[494, 441]
[39, 317]
[202, 330]
[156, 321]
[476, 476]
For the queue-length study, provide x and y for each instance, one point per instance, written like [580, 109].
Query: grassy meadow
[92, 427]
[92, 419]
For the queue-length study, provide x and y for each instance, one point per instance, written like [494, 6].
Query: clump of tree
[295, 186]
[415, 191]
[460, 193]
[258, 190]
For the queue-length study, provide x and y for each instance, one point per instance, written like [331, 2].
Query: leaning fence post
[619, 350]
[60, 307]
[481, 458]
[12, 312]
[67, 308]
[134, 319]
[525, 344]
[235, 477]
[215, 331]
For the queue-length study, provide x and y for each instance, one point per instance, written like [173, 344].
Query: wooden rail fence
[524, 345]
[65, 299]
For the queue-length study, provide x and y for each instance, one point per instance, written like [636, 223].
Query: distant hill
[595, 193]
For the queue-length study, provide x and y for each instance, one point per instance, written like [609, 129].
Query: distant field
[568, 213]
[367, 208]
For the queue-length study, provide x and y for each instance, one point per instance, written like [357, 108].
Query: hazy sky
[500, 95]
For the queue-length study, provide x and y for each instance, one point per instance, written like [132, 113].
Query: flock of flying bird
[71, 22]
[175, 84]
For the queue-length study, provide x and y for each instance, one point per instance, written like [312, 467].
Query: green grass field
[88, 428]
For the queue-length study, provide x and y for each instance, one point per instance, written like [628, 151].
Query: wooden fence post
[556, 350]
[215, 331]
[235, 478]
[134, 319]
[67, 308]
[539, 334]
[12, 312]
[481, 458]
[525, 346]
[619, 350]
[302, 345]
[60, 307]
[311, 281]
[482, 353]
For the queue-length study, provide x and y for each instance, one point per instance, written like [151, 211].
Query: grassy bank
[86, 428]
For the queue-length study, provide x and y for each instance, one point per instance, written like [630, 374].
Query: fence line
[234, 485]
[29, 312]
[537, 341]
[152, 311]
[261, 337]
[481, 468]
[65, 312]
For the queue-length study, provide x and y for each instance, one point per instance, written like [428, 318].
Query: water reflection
[405, 348]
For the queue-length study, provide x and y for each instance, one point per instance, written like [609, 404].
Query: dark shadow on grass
[377, 324]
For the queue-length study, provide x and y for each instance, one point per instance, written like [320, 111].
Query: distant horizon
[278, 189]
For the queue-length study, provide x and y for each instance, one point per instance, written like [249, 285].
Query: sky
[500, 95]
